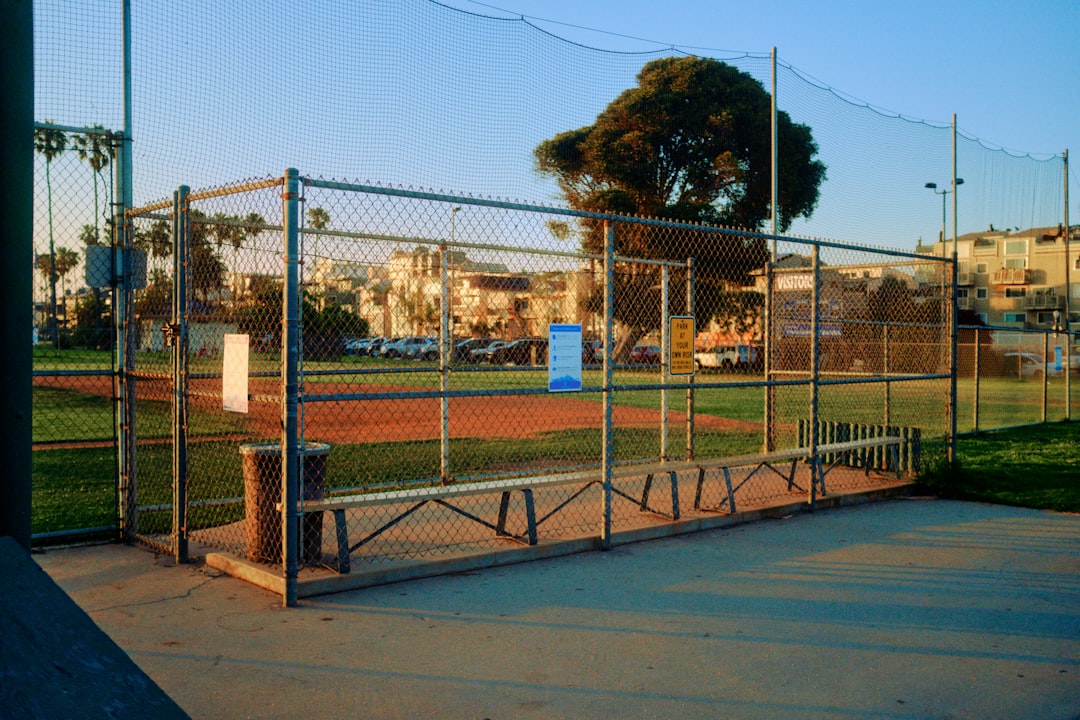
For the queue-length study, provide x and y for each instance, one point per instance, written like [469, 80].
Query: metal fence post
[179, 339]
[665, 359]
[609, 372]
[125, 317]
[290, 351]
[444, 366]
[1045, 375]
[123, 320]
[815, 301]
[768, 432]
[690, 390]
[978, 363]
[888, 385]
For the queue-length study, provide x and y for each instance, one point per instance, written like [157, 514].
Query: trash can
[262, 494]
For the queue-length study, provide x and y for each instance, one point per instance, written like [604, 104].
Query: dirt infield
[366, 421]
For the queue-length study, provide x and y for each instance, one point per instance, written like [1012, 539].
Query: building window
[984, 318]
[982, 268]
[961, 293]
[1046, 318]
[1018, 263]
[1016, 247]
[1015, 292]
[980, 293]
[964, 265]
[1076, 264]
[1014, 317]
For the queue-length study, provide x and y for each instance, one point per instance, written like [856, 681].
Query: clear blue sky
[413, 93]
[1007, 68]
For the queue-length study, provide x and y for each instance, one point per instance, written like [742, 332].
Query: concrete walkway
[902, 609]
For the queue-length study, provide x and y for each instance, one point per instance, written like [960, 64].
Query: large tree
[690, 143]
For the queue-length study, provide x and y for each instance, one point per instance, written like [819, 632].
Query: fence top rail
[569, 212]
[73, 130]
[437, 242]
[1028, 331]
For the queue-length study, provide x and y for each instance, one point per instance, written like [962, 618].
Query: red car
[645, 355]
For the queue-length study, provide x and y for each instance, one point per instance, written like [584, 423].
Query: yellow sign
[681, 345]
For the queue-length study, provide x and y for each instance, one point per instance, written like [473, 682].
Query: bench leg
[645, 493]
[674, 494]
[730, 491]
[504, 506]
[530, 514]
[342, 532]
[700, 485]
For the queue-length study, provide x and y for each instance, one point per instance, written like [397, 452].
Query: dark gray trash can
[262, 493]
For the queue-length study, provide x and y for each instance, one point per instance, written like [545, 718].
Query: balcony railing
[1011, 276]
[1044, 301]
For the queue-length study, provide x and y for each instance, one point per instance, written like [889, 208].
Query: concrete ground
[903, 609]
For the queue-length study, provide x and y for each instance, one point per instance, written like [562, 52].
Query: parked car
[526, 351]
[482, 354]
[403, 347]
[728, 357]
[361, 346]
[428, 349]
[645, 355]
[1025, 364]
[592, 352]
[463, 348]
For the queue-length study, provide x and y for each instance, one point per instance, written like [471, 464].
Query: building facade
[1018, 278]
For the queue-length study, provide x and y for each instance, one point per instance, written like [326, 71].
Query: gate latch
[170, 332]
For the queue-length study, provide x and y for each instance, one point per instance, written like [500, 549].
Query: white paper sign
[564, 358]
[234, 375]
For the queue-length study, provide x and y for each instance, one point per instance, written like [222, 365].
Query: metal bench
[444, 495]
[769, 461]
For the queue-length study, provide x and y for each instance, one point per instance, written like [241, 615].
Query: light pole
[943, 194]
[452, 266]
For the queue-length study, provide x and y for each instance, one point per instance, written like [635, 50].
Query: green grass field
[74, 488]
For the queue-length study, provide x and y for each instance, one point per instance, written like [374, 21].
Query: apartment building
[1017, 278]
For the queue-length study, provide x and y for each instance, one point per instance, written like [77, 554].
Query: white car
[1029, 365]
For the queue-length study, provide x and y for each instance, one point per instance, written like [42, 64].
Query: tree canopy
[690, 143]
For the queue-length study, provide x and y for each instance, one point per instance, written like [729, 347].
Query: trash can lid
[273, 448]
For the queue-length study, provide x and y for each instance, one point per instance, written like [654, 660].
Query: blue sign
[564, 358]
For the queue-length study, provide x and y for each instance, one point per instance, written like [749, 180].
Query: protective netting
[415, 93]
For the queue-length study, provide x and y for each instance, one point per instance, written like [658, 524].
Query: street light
[452, 266]
[943, 193]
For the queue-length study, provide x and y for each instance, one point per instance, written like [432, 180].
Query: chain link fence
[74, 420]
[1010, 376]
[426, 405]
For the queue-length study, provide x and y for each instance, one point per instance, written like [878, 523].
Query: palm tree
[94, 148]
[318, 218]
[158, 239]
[66, 261]
[50, 143]
[253, 224]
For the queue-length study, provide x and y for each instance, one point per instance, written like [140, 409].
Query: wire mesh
[425, 317]
[74, 421]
